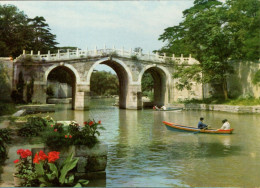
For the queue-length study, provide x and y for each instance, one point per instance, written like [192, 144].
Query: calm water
[142, 152]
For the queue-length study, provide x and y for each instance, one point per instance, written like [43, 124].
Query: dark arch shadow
[159, 79]
[72, 81]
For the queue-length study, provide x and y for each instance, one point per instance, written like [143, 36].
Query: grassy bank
[235, 102]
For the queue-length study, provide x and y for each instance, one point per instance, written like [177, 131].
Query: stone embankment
[223, 108]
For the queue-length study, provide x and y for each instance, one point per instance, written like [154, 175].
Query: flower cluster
[24, 153]
[51, 157]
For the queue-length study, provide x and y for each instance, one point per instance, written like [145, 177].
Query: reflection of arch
[73, 75]
[161, 77]
[68, 66]
[123, 73]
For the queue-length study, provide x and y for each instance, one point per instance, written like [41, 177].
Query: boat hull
[178, 127]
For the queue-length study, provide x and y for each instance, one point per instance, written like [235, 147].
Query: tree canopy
[18, 32]
[214, 33]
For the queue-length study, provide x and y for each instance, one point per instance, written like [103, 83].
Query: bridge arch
[123, 73]
[73, 73]
[162, 81]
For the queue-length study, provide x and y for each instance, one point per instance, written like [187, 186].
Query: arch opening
[123, 79]
[61, 84]
[154, 86]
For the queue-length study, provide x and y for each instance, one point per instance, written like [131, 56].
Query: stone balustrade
[77, 54]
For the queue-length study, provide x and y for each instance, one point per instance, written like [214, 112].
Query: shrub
[5, 138]
[33, 127]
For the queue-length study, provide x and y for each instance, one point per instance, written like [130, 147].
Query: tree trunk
[224, 87]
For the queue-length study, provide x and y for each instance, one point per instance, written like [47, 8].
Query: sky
[86, 24]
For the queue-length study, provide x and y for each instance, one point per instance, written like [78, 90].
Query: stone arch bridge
[128, 65]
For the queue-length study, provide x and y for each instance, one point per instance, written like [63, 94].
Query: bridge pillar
[39, 92]
[134, 97]
[82, 100]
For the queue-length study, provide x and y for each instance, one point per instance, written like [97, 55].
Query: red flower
[99, 122]
[36, 158]
[53, 156]
[16, 161]
[70, 136]
[55, 130]
[91, 123]
[19, 151]
[26, 153]
[42, 156]
[85, 123]
[66, 136]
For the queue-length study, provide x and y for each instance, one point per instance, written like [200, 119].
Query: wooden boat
[169, 109]
[178, 127]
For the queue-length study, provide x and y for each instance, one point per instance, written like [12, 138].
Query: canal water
[142, 152]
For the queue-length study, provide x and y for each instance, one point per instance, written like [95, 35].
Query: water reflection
[142, 152]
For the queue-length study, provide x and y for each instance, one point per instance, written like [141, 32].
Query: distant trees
[18, 32]
[104, 83]
[214, 33]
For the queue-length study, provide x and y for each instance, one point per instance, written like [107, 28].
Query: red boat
[178, 127]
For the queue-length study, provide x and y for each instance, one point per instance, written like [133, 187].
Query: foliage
[49, 91]
[138, 50]
[148, 85]
[214, 33]
[33, 127]
[134, 57]
[5, 138]
[18, 32]
[51, 175]
[61, 75]
[104, 83]
[7, 108]
[24, 168]
[256, 78]
[241, 101]
[57, 135]
[18, 96]
[4, 85]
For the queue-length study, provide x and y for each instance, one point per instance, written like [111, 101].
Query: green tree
[18, 32]
[211, 33]
[14, 31]
[104, 83]
[43, 40]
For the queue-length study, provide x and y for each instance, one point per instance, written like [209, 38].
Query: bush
[33, 127]
[7, 108]
[5, 138]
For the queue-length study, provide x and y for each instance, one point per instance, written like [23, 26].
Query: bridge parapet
[78, 54]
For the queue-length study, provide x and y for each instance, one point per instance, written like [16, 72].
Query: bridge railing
[77, 54]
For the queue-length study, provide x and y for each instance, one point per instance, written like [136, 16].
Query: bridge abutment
[134, 97]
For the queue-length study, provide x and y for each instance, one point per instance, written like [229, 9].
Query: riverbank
[220, 107]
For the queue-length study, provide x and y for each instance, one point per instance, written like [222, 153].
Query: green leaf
[71, 178]
[78, 185]
[54, 169]
[69, 165]
[39, 169]
[83, 182]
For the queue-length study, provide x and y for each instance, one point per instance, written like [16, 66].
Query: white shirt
[163, 108]
[225, 126]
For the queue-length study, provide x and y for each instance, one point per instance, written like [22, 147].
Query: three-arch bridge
[128, 65]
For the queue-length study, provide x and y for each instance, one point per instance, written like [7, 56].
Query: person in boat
[163, 108]
[201, 125]
[155, 107]
[225, 125]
